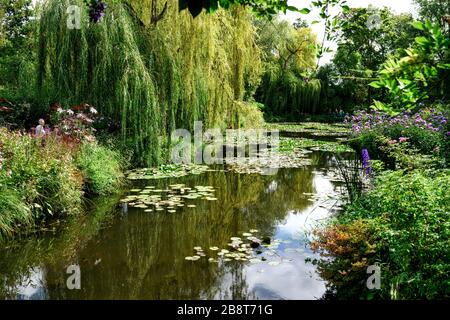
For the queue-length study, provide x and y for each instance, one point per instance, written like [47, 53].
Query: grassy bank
[46, 179]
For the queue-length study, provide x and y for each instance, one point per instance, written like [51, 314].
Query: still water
[135, 254]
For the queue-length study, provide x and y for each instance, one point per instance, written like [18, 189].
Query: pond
[136, 254]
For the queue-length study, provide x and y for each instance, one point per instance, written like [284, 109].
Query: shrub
[101, 168]
[408, 215]
[426, 133]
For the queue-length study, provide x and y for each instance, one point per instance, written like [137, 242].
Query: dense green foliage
[289, 55]
[406, 232]
[263, 8]
[16, 48]
[423, 74]
[360, 53]
[101, 167]
[151, 79]
[42, 180]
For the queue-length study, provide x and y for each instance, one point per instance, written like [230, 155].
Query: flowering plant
[75, 124]
[404, 135]
[427, 119]
[96, 10]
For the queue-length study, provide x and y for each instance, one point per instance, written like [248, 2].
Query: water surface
[139, 255]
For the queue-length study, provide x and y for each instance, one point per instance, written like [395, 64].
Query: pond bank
[43, 180]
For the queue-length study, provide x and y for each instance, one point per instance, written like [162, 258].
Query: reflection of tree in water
[18, 258]
[142, 254]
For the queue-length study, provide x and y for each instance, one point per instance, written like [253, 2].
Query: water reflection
[138, 255]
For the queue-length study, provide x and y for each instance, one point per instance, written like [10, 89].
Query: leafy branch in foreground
[262, 8]
[418, 75]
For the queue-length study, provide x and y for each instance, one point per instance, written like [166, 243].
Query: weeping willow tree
[150, 77]
[288, 94]
[289, 56]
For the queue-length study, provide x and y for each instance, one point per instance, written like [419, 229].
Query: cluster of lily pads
[295, 144]
[267, 161]
[166, 171]
[174, 196]
[249, 248]
[316, 128]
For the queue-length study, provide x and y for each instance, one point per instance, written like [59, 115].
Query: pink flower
[392, 141]
[403, 139]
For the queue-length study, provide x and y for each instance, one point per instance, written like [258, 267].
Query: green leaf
[418, 25]
[376, 84]
[305, 11]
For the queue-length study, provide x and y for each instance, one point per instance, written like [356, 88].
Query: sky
[398, 6]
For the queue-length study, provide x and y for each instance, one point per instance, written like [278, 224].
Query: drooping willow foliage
[289, 54]
[150, 78]
[286, 94]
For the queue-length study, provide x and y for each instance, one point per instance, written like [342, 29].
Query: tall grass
[14, 213]
[101, 168]
[42, 180]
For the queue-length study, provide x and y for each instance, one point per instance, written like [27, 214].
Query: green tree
[368, 38]
[15, 39]
[435, 11]
[265, 8]
[289, 55]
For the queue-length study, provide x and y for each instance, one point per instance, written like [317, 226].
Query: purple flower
[366, 161]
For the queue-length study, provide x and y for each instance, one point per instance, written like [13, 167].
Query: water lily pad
[254, 261]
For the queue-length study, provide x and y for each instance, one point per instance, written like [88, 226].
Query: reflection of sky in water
[33, 287]
[294, 279]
